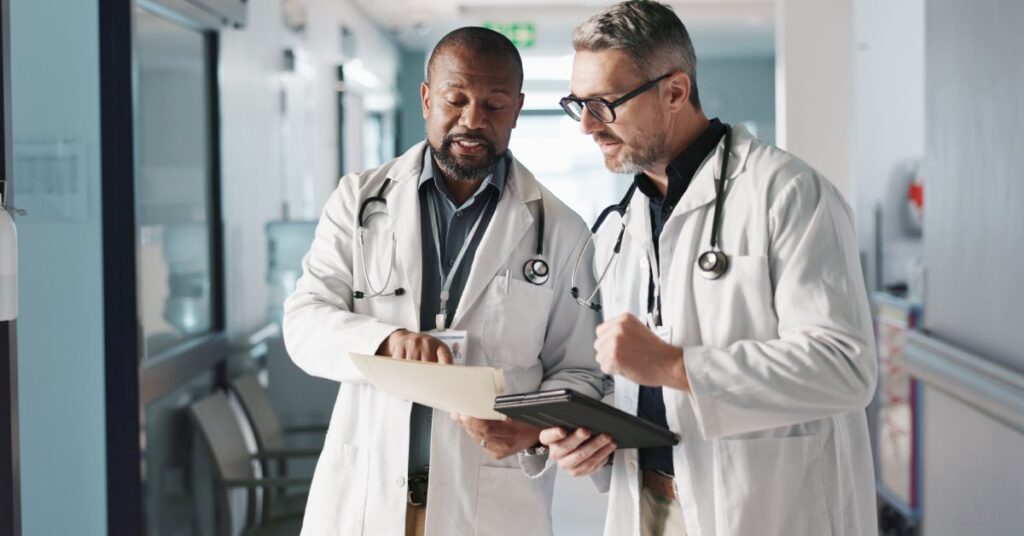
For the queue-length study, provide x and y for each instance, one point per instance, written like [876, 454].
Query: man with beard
[455, 241]
[735, 309]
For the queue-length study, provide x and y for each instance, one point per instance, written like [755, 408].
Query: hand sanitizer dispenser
[8, 264]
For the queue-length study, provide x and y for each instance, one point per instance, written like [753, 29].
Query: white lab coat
[779, 353]
[538, 335]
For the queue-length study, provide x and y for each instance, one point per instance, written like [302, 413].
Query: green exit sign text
[522, 34]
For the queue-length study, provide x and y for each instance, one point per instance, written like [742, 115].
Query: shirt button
[458, 213]
[451, 262]
[400, 481]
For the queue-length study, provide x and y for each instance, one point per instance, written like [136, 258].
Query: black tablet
[571, 410]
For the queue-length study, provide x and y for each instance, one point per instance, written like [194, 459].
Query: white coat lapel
[702, 190]
[638, 220]
[507, 228]
[404, 209]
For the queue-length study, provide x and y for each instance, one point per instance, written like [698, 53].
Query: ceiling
[719, 28]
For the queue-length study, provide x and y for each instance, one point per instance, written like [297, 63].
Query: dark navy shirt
[651, 405]
[455, 223]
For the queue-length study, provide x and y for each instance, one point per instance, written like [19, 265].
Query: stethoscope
[536, 269]
[363, 220]
[711, 264]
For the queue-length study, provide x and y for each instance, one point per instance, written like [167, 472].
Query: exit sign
[522, 34]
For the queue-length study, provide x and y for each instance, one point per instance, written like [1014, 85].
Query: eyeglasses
[601, 109]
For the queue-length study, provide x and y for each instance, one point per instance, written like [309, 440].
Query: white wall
[974, 199]
[973, 472]
[55, 95]
[974, 211]
[260, 144]
[812, 85]
[886, 125]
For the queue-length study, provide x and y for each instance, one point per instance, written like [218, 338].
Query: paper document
[452, 388]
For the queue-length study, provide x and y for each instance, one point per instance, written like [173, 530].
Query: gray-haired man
[757, 349]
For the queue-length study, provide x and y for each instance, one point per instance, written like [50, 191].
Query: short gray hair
[649, 32]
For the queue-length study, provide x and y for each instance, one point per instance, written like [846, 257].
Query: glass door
[163, 259]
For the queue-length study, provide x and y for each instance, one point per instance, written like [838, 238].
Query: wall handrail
[993, 389]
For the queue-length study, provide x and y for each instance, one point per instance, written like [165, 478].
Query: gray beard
[643, 158]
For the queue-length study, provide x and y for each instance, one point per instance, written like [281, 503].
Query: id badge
[456, 339]
[664, 333]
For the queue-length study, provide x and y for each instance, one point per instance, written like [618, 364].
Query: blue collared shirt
[455, 223]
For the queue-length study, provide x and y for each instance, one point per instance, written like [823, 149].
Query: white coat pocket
[337, 499]
[771, 487]
[738, 305]
[510, 503]
[515, 320]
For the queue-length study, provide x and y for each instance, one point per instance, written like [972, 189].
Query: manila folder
[452, 388]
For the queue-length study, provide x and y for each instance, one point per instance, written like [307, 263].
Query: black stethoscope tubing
[362, 220]
[711, 264]
[536, 270]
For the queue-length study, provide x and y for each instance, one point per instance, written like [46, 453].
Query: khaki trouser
[660, 515]
[415, 520]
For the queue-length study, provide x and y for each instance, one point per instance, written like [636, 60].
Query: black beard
[453, 169]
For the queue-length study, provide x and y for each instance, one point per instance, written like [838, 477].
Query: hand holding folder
[452, 388]
[477, 392]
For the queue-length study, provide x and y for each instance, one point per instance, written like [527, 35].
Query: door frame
[122, 340]
[132, 381]
[10, 471]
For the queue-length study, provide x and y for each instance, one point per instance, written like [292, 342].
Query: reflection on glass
[172, 181]
[378, 138]
[179, 485]
[287, 244]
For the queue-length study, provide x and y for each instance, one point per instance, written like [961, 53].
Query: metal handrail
[993, 389]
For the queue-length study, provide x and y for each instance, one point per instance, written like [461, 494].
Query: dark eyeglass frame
[564, 102]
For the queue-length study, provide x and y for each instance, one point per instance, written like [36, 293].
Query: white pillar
[812, 84]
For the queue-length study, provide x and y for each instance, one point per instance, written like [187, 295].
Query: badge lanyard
[654, 307]
[441, 320]
[654, 318]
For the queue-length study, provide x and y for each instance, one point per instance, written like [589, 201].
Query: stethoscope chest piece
[536, 271]
[713, 264]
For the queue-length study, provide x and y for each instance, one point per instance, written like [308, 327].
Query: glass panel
[373, 140]
[173, 181]
[180, 493]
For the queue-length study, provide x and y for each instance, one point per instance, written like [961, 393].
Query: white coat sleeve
[823, 362]
[568, 352]
[319, 325]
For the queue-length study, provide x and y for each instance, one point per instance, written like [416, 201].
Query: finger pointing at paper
[404, 344]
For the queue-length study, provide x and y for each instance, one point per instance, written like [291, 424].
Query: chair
[272, 439]
[233, 468]
[271, 436]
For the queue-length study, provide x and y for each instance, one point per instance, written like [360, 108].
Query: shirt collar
[684, 166]
[431, 174]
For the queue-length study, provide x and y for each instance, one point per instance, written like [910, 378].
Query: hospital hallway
[165, 164]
